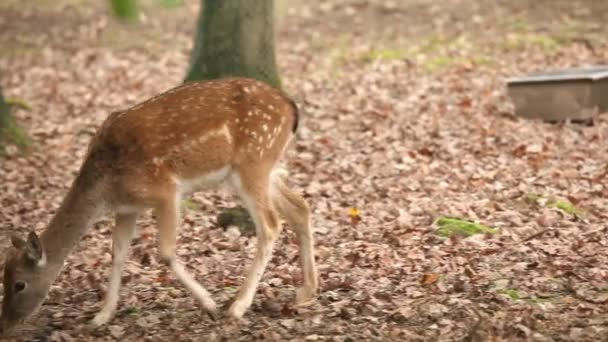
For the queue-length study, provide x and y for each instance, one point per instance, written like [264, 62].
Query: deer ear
[34, 248]
[18, 242]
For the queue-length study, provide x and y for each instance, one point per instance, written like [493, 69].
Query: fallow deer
[197, 135]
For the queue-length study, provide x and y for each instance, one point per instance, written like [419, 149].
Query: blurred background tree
[235, 38]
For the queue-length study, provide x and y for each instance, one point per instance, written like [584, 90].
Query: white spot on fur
[226, 132]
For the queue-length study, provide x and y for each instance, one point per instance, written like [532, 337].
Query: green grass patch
[171, 3]
[385, 55]
[545, 42]
[483, 60]
[438, 43]
[519, 41]
[449, 226]
[438, 62]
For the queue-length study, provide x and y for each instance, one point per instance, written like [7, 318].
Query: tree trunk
[235, 38]
[9, 131]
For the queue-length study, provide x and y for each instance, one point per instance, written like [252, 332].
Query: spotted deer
[198, 135]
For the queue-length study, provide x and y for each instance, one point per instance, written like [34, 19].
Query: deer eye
[19, 286]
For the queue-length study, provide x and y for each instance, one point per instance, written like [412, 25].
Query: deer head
[25, 286]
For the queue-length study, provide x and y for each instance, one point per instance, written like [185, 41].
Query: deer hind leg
[296, 212]
[168, 217]
[253, 189]
[121, 239]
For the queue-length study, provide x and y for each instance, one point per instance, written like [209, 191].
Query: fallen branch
[535, 235]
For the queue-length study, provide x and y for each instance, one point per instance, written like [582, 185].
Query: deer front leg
[121, 239]
[168, 220]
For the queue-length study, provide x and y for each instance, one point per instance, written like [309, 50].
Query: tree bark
[235, 38]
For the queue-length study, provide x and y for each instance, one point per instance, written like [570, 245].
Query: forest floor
[406, 120]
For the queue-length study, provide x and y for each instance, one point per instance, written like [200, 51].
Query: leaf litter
[392, 138]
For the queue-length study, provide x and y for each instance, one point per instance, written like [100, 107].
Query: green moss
[565, 206]
[450, 226]
[512, 293]
[552, 202]
[190, 205]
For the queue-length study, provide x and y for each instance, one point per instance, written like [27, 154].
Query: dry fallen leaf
[429, 278]
[391, 138]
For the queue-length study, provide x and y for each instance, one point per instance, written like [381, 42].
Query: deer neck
[81, 207]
